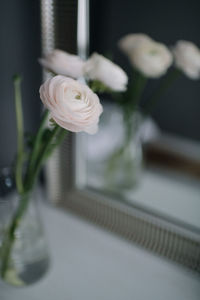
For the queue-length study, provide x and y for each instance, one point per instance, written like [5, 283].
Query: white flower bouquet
[149, 59]
[70, 106]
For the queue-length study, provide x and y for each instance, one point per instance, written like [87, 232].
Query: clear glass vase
[125, 163]
[24, 256]
[114, 154]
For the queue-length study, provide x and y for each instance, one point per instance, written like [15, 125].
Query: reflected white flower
[149, 57]
[128, 43]
[72, 105]
[99, 68]
[187, 58]
[63, 63]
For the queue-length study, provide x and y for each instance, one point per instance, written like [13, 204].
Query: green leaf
[99, 87]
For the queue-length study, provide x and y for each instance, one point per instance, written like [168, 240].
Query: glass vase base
[33, 272]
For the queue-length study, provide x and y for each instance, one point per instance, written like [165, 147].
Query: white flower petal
[63, 63]
[148, 56]
[102, 69]
[187, 58]
[73, 105]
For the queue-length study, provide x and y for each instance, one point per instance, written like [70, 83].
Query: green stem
[134, 93]
[61, 135]
[56, 131]
[20, 134]
[128, 127]
[10, 235]
[36, 147]
[161, 90]
[138, 88]
[131, 101]
[41, 157]
[23, 204]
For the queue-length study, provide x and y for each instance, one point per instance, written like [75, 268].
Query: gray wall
[165, 21]
[19, 50]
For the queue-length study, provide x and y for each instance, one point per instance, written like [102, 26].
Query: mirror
[140, 178]
[164, 177]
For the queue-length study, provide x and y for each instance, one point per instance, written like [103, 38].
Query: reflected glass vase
[24, 256]
[123, 166]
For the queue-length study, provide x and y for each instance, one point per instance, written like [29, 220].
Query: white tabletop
[91, 264]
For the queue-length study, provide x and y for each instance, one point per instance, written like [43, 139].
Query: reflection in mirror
[147, 150]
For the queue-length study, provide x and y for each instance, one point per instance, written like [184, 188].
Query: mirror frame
[65, 173]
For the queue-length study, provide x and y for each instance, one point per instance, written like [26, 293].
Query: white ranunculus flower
[151, 58]
[131, 41]
[187, 58]
[72, 105]
[63, 63]
[97, 67]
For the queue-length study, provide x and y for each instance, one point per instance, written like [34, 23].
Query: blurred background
[19, 53]
[166, 22]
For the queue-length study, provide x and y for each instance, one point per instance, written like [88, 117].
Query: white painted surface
[170, 193]
[91, 264]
